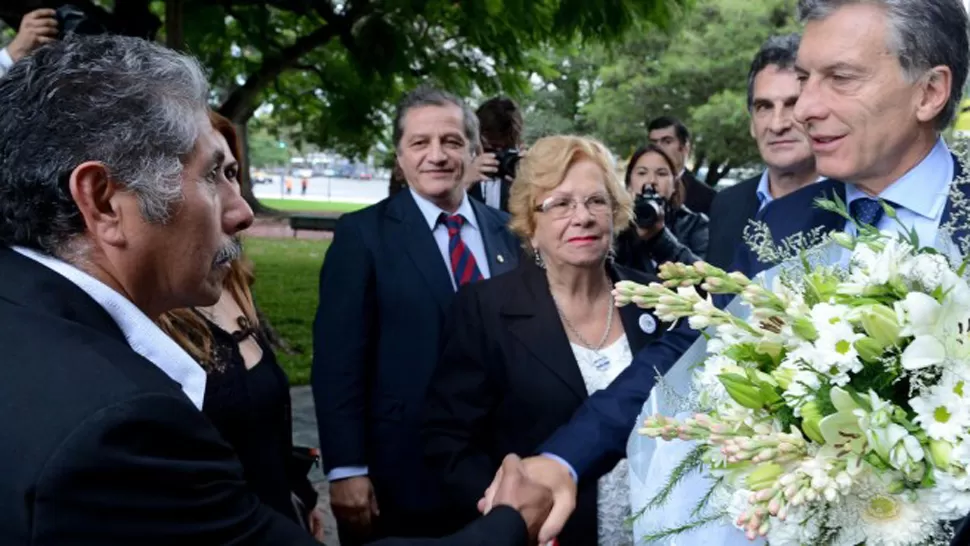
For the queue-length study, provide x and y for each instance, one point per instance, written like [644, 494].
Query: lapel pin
[500, 259]
[647, 323]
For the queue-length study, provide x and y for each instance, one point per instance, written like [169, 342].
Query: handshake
[539, 488]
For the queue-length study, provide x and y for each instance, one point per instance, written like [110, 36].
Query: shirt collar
[431, 212]
[923, 190]
[143, 336]
[764, 190]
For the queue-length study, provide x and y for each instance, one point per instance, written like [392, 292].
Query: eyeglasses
[564, 207]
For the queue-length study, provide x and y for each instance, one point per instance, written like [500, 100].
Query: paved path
[305, 434]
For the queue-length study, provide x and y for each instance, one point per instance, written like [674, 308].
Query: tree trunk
[242, 102]
[245, 181]
[701, 158]
[175, 24]
[716, 171]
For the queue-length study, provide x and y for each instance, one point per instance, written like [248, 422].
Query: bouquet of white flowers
[838, 412]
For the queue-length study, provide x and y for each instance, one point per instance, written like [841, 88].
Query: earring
[538, 258]
[611, 256]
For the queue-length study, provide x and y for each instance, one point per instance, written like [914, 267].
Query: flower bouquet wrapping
[838, 411]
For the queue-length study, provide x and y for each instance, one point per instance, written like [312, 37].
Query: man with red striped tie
[387, 282]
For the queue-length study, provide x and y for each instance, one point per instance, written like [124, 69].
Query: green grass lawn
[287, 274]
[299, 205]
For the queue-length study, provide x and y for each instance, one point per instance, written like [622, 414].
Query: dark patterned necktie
[463, 264]
[866, 210]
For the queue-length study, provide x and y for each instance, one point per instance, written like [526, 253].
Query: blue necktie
[866, 210]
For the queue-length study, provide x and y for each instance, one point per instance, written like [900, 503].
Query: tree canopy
[695, 69]
[332, 68]
[698, 73]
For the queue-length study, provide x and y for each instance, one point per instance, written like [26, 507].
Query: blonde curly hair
[544, 167]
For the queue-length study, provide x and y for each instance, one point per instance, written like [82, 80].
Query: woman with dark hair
[665, 229]
[247, 395]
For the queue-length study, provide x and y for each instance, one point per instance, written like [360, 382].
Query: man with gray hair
[388, 280]
[773, 89]
[880, 79]
[114, 208]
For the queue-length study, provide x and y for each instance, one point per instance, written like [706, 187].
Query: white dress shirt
[919, 196]
[143, 335]
[5, 62]
[471, 235]
[492, 192]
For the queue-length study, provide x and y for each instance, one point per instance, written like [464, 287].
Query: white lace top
[613, 505]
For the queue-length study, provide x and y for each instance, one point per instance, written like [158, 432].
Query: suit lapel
[796, 213]
[747, 209]
[502, 257]
[534, 321]
[421, 247]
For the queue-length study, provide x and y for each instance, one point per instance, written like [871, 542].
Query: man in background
[773, 90]
[388, 280]
[672, 135]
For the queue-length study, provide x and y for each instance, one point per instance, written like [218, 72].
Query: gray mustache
[232, 250]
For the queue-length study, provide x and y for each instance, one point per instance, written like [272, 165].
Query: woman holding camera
[665, 229]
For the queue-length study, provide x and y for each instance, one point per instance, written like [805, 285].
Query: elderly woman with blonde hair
[524, 350]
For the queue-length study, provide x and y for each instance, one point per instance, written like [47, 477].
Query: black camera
[648, 206]
[73, 20]
[508, 163]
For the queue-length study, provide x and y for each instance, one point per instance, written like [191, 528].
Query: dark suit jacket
[596, 437]
[730, 211]
[99, 446]
[384, 292]
[508, 379]
[476, 191]
[699, 195]
[503, 526]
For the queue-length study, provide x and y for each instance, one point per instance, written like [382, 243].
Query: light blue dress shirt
[471, 235]
[919, 196]
[763, 191]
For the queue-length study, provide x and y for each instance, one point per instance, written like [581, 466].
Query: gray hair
[779, 51]
[922, 34]
[130, 104]
[430, 96]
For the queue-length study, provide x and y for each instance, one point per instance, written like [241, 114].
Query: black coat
[384, 293]
[503, 526]
[732, 209]
[506, 381]
[685, 240]
[99, 446]
[698, 196]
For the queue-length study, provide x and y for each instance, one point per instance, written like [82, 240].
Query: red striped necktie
[463, 264]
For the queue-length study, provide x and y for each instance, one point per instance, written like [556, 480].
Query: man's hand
[36, 29]
[354, 502]
[546, 472]
[481, 168]
[514, 488]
